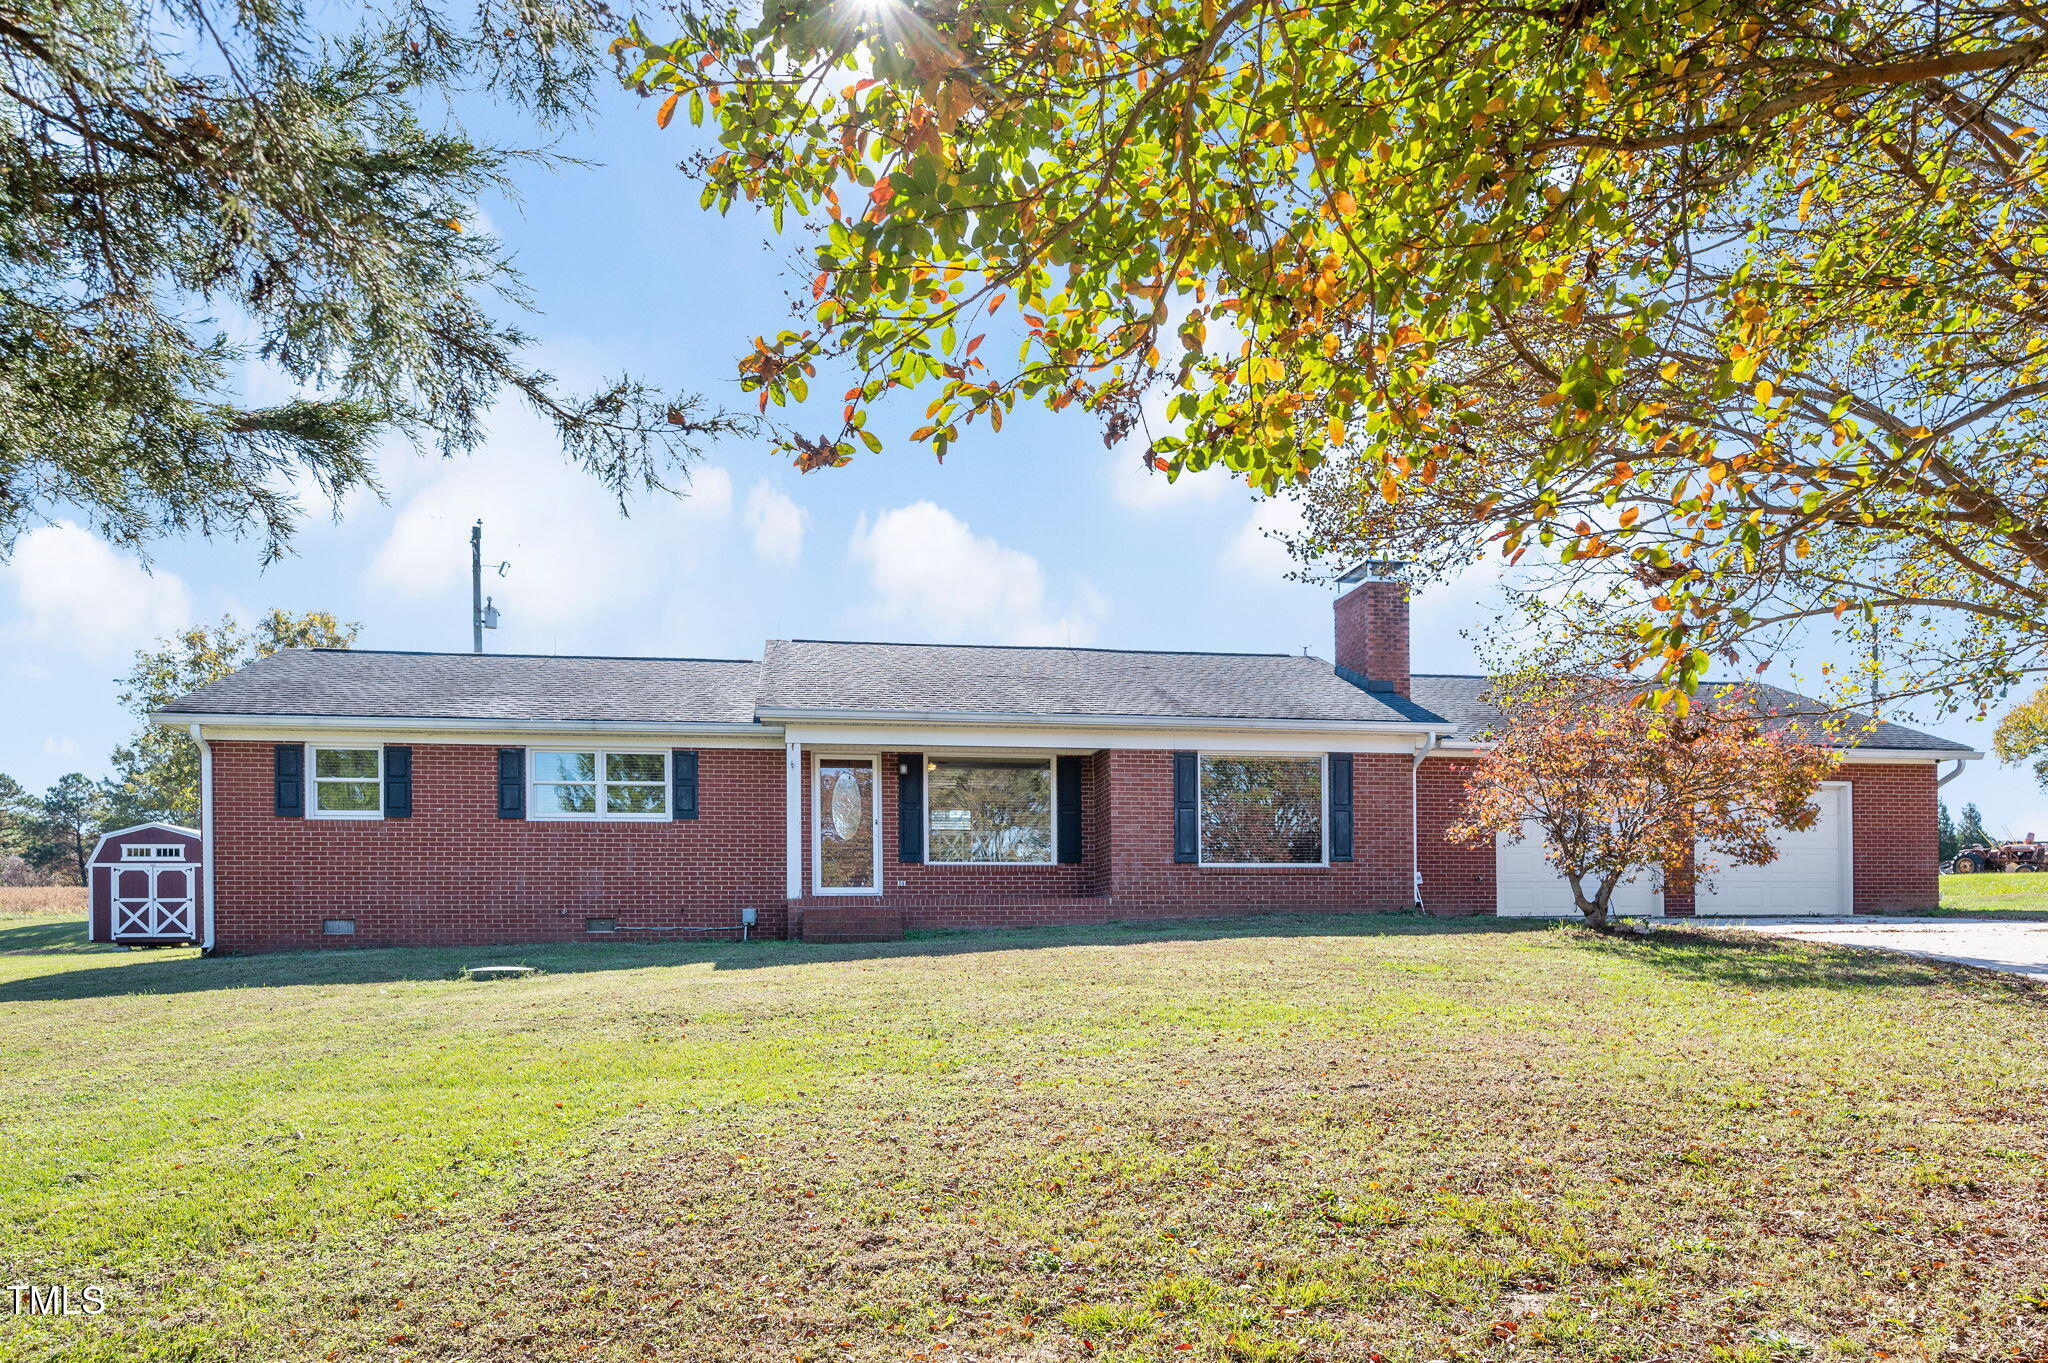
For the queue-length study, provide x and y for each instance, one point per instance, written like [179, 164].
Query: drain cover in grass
[499, 972]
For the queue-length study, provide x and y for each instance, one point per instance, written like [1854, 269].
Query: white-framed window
[153, 851]
[988, 811]
[345, 783]
[1262, 810]
[597, 783]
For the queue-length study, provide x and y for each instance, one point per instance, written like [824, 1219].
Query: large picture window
[1262, 811]
[989, 811]
[599, 785]
[348, 783]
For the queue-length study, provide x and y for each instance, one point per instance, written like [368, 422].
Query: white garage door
[1811, 874]
[1527, 886]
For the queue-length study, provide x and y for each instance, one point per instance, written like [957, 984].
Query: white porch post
[793, 816]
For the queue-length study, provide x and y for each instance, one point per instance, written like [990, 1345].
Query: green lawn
[1398, 1139]
[1999, 894]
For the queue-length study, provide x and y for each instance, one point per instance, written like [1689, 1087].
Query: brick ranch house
[354, 797]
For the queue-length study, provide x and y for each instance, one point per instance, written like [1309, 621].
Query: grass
[44, 899]
[2009, 894]
[1389, 1139]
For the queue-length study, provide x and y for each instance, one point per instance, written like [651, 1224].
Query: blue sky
[1038, 535]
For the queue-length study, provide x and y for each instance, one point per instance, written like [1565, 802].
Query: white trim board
[554, 733]
[1274, 742]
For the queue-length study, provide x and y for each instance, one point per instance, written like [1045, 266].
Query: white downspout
[1960, 763]
[206, 848]
[1428, 745]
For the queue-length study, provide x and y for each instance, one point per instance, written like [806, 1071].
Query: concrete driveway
[2018, 948]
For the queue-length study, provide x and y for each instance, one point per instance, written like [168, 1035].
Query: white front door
[1528, 886]
[1811, 875]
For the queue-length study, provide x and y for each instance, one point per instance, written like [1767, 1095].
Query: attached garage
[1812, 874]
[1528, 886]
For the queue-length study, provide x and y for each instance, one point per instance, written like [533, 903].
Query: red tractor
[2007, 856]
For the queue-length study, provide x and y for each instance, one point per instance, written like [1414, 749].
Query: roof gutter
[1011, 720]
[1961, 762]
[452, 723]
[1475, 746]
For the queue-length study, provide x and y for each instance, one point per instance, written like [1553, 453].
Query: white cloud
[930, 571]
[776, 522]
[574, 558]
[1135, 484]
[1254, 550]
[76, 593]
[60, 747]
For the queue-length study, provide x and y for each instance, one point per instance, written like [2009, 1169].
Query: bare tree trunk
[1593, 910]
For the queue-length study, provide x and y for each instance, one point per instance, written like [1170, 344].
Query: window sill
[332, 814]
[602, 818]
[1265, 865]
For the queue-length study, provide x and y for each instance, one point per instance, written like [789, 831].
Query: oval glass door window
[846, 825]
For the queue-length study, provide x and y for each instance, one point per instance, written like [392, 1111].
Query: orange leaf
[667, 110]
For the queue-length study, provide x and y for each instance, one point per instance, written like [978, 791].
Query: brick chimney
[1372, 633]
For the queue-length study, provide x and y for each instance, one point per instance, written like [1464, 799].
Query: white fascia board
[390, 729]
[1473, 748]
[1001, 720]
[1261, 736]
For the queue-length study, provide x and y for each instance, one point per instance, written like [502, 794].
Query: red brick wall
[1145, 879]
[456, 874]
[1372, 632]
[1896, 850]
[1455, 879]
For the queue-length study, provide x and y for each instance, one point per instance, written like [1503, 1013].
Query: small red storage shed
[146, 885]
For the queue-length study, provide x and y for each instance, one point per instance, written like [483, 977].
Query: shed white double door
[1811, 875]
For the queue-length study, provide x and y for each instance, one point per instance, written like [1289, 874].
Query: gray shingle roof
[817, 675]
[1462, 700]
[489, 686]
[812, 674]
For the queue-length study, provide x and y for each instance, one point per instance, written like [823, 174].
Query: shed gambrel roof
[373, 684]
[808, 675]
[1463, 701]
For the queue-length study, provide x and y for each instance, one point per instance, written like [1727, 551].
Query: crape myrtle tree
[191, 186]
[1618, 788]
[2022, 734]
[1724, 316]
[156, 774]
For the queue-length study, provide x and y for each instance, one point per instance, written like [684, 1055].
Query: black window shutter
[290, 768]
[910, 807]
[1187, 844]
[397, 783]
[682, 775]
[1340, 806]
[511, 783]
[1067, 807]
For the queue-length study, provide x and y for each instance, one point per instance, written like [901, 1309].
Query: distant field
[1378, 1140]
[43, 899]
[1996, 893]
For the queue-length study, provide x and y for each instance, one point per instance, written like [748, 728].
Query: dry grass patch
[44, 899]
[1393, 1140]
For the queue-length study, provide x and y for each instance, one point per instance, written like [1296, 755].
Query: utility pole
[476, 587]
[482, 614]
